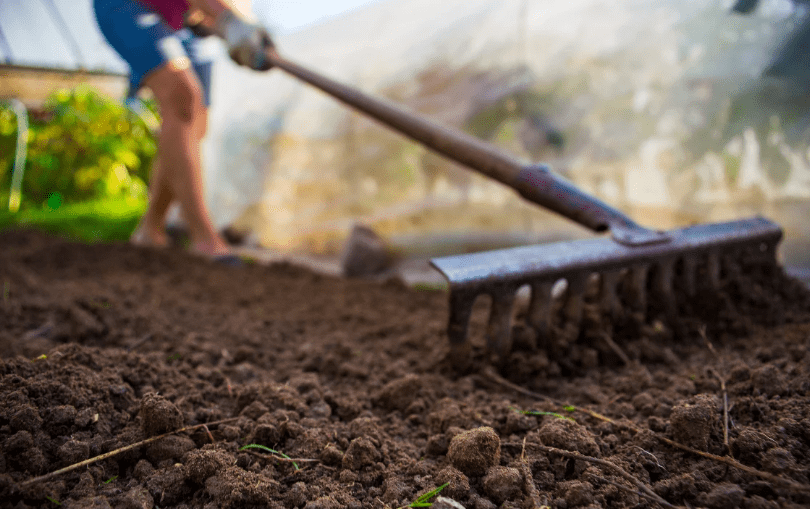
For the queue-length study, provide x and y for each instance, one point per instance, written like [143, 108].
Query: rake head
[619, 278]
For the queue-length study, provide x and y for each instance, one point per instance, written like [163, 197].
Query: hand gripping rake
[635, 261]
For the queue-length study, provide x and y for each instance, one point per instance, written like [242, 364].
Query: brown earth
[103, 346]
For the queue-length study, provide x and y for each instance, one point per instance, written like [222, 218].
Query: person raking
[150, 36]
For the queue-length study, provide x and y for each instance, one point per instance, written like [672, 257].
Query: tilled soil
[104, 346]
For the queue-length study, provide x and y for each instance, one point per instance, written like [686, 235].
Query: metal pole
[9, 57]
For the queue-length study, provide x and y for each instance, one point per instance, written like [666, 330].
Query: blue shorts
[146, 42]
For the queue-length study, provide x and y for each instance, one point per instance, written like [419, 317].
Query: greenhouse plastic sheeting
[659, 106]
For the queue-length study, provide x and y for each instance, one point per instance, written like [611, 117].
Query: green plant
[106, 220]
[551, 414]
[272, 451]
[81, 146]
[424, 500]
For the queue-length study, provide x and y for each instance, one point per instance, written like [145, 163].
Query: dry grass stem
[616, 348]
[726, 460]
[208, 432]
[280, 458]
[722, 381]
[625, 488]
[725, 409]
[139, 342]
[579, 456]
[118, 451]
[528, 481]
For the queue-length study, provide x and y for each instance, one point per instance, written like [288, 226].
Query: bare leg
[151, 230]
[178, 172]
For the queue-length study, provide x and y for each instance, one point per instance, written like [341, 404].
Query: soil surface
[104, 346]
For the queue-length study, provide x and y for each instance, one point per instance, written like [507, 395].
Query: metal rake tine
[539, 315]
[572, 311]
[499, 327]
[620, 267]
[610, 302]
[689, 267]
[461, 304]
[663, 287]
[573, 303]
[713, 270]
[732, 264]
[638, 287]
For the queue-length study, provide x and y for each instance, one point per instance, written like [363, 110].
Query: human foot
[217, 252]
[211, 248]
[149, 237]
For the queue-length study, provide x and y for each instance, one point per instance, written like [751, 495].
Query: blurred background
[675, 112]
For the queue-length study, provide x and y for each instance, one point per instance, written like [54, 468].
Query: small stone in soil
[446, 503]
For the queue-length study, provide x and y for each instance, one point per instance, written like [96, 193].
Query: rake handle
[536, 183]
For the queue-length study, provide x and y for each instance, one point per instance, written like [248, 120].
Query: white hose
[15, 194]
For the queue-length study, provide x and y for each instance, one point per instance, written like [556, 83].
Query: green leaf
[550, 414]
[424, 500]
[267, 449]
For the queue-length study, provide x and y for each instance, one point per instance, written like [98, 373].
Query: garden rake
[631, 267]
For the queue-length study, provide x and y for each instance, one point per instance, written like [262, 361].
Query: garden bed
[104, 346]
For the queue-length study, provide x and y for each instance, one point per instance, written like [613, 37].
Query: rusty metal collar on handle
[538, 184]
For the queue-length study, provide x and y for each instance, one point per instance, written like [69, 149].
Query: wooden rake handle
[536, 183]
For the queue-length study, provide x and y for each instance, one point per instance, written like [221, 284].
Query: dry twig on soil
[722, 380]
[625, 488]
[528, 478]
[281, 458]
[615, 348]
[727, 460]
[118, 451]
[579, 456]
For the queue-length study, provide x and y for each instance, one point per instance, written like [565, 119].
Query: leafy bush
[83, 146]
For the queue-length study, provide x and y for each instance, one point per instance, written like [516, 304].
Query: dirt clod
[399, 394]
[362, 452]
[475, 451]
[168, 448]
[567, 435]
[168, 486]
[724, 496]
[235, 487]
[203, 463]
[158, 415]
[692, 422]
[503, 483]
[459, 484]
[136, 498]
[577, 493]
